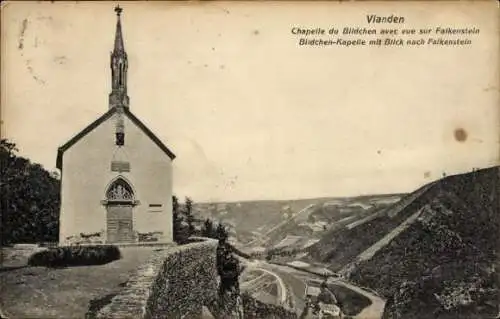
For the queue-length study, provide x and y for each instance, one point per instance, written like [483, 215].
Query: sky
[249, 113]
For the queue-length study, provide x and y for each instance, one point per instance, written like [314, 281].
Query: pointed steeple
[119, 64]
[119, 47]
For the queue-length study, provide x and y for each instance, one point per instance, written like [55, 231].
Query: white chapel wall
[86, 175]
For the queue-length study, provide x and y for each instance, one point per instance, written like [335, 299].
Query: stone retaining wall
[175, 282]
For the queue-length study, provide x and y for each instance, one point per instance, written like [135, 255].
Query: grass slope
[40, 292]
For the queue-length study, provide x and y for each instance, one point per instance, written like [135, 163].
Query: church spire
[119, 47]
[119, 64]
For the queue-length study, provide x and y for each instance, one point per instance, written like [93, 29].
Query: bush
[185, 281]
[150, 237]
[351, 302]
[75, 256]
[254, 308]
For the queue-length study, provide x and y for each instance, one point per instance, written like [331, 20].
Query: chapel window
[120, 190]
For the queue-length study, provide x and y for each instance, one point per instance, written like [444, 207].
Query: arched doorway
[119, 204]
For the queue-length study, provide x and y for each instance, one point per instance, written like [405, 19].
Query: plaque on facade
[120, 166]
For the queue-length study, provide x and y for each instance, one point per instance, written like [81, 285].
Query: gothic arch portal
[119, 202]
[120, 190]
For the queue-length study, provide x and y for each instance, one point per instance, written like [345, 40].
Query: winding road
[292, 283]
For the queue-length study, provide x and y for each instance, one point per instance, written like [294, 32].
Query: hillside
[344, 243]
[266, 223]
[444, 264]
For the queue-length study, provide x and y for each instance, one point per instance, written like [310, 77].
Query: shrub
[254, 308]
[150, 236]
[75, 256]
[186, 280]
[86, 239]
[351, 302]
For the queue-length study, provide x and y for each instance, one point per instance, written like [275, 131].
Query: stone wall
[175, 282]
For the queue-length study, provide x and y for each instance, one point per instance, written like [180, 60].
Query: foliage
[254, 308]
[185, 278]
[29, 199]
[215, 231]
[351, 302]
[183, 220]
[188, 213]
[184, 223]
[89, 238]
[75, 256]
[208, 229]
[179, 231]
[149, 236]
[175, 205]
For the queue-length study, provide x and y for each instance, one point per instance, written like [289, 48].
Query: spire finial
[118, 36]
[118, 10]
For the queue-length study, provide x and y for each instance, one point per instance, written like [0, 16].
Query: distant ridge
[266, 222]
[302, 199]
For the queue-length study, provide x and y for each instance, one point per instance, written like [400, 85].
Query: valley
[431, 253]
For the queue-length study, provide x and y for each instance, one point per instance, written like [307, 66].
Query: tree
[177, 219]
[208, 229]
[175, 204]
[7, 155]
[188, 213]
[29, 199]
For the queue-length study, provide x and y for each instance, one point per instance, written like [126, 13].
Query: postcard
[265, 159]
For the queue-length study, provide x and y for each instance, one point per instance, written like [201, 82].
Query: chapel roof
[102, 119]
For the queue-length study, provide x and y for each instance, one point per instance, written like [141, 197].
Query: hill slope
[343, 244]
[444, 265]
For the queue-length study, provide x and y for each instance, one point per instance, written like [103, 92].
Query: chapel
[116, 175]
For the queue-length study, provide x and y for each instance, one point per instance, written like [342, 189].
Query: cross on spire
[118, 10]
